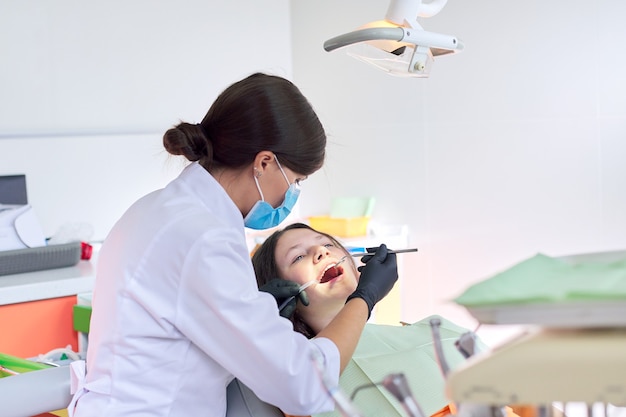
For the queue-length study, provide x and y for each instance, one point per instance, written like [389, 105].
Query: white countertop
[49, 283]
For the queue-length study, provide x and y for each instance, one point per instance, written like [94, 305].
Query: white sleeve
[220, 310]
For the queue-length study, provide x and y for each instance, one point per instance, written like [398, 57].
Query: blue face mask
[263, 215]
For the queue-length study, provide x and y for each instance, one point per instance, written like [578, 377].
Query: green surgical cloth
[543, 279]
[383, 350]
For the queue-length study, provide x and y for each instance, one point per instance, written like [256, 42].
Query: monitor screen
[13, 189]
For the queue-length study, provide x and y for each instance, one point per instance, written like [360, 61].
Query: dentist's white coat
[177, 314]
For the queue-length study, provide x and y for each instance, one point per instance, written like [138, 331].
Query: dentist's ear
[261, 162]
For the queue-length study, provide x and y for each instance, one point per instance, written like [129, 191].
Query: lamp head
[398, 44]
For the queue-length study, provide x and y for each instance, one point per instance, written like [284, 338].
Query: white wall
[88, 88]
[512, 147]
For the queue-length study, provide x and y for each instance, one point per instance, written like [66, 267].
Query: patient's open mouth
[331, 273]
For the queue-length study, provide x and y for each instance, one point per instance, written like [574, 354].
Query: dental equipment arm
[441, 359]
[398, 386]
[465, 345]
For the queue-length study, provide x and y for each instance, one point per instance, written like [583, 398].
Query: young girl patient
[301, 254]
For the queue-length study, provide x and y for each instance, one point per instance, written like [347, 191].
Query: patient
[300, 254]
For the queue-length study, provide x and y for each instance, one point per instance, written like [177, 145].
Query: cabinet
[36, 309]
[35, 318]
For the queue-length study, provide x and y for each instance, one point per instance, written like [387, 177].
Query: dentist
[176, 310]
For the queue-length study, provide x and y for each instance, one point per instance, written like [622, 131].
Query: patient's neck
[319, 318]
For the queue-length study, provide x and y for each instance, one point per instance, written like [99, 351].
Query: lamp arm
[409, 35]
[363, 35]
[431, 39]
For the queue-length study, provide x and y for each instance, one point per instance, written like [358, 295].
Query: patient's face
[303, 255]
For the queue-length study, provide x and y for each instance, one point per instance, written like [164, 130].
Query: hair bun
[186, 139]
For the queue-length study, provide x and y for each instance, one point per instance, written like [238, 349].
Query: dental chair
[242, 402]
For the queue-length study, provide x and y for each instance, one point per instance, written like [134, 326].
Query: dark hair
[260, 112]
[265, 268]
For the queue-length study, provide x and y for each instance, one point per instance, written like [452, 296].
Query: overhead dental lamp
[398, 44]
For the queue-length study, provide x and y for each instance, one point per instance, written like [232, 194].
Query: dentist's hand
[282, 290]
[378, 277]
[366, 258]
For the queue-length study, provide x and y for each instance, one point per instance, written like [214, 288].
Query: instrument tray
[18, 261]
